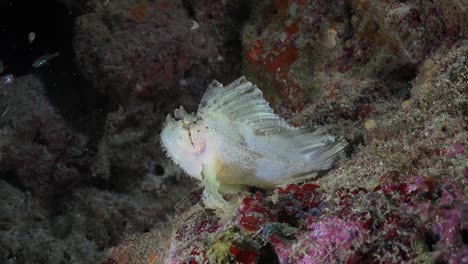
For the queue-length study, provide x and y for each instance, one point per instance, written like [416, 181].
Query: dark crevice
[171, 180]
[404, 73]
[39, 139]
[354, 144]
[268, 255]
[188, 6]
[431, 239]
[238, 12]
[464, 235]
[254, 189]
[99, 183]
[123, 179]
[288, 219]
[158, 170]
[400, 80]
[11, 178]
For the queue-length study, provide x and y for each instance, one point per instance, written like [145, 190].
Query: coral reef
[406, 200]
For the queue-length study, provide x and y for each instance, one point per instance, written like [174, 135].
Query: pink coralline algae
[457, 148]
[394, 221]
[330, 240]
[448, 227]
[398, 220]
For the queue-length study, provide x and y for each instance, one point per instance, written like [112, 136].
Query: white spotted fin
[236, 140]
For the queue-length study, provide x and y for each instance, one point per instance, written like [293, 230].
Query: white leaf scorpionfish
[236, 140]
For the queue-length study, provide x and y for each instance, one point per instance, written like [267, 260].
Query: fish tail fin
[323, 157]
[317, 159]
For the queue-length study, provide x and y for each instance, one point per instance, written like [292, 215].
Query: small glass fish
[44, 60]
[31, 37]
[7, 79]
[5, 110]
[236, 140]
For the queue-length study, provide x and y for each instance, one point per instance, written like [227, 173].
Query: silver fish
[236, 140]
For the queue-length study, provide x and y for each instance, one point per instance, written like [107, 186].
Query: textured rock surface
[142, 48]
[40, 152]
[371, 72]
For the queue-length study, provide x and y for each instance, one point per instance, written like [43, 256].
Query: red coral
[109, 261]
[199, 225]
[253, 213]
[363, 112]
[243, 256]
[280, 56]
[457, 148]
[256, 49]
[194, 254]
[306, 196]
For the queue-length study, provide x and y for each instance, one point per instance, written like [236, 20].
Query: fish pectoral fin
[242, 103]
[211, 196]
[214, 201]
[230, 188]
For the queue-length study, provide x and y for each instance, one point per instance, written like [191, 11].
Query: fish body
[236, 140]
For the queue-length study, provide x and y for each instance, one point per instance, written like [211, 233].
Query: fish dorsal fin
[243, 102]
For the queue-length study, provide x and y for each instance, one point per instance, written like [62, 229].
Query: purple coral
[329, 240]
